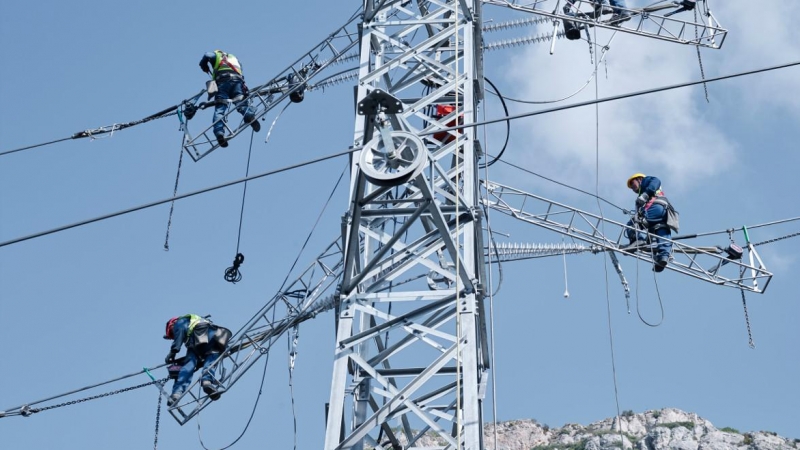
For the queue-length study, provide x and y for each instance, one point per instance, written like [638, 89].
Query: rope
[605, 260]
[310, 233]
[232, 274]
[252, 413]
[660, 303]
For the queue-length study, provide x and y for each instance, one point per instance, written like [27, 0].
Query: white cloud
[669, 134]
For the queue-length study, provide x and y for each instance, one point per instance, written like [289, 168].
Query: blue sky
[89, 304]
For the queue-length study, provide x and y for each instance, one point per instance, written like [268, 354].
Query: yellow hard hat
[633, 177]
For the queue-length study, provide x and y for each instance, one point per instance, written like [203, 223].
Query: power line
[110, 128]
[560, 183]
[610, 99]
[179, 197]
[352, 150]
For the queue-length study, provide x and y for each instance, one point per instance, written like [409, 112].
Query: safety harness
[225, 62]
[673, 217]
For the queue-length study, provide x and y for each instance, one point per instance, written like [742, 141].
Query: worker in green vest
[205, 342]
[227, 73]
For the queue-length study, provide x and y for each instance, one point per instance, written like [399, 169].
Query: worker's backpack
[203, 342]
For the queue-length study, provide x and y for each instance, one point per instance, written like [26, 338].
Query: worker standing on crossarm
[205, 342]
[227, 73]
[655, 214]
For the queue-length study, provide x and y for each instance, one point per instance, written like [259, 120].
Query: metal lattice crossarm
[709, 264]
[643, 22]
[295, 78]
[299, 301]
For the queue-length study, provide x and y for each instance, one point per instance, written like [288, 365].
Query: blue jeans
[185, 375]
[226, 90]
[616, 4]
[656, 214]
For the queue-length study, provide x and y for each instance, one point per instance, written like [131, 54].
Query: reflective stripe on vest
[194, 319]
[226, 62]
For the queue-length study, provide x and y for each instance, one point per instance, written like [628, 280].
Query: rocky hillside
[663, 429]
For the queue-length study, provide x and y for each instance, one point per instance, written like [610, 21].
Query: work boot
[173, 399]
[253, 122]
[221, 140]
[660, 263]
[210, 389]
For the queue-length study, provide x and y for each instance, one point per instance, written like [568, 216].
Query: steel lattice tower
[411, 352]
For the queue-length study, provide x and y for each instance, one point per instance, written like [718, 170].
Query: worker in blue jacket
[655, 214]
[227, 73]
[205, 342]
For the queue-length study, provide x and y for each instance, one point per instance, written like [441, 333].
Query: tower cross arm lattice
[711, 264]
[646, 22]
[301, 300]
[292, 80]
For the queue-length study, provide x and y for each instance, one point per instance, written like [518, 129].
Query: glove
[640, 219]
[170, 358]
[642, 200]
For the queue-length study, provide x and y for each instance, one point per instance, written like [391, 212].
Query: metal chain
[158, 415]
[174, 193]
[699, 59]
[26, 410]
[769, 241]
[746, 316]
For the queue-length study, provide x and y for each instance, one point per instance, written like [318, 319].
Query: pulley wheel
[391, 167]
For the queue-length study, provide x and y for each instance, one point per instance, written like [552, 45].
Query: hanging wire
[158, 415]
[530, 172]
[232, 274]
[605, 260]
[177, 177]
[604, 50]
[292, 337]
[564, 256]
[490, 285]
[252, 413]
[699, 58]
[508, 127]
[746, 315]
[352, 150]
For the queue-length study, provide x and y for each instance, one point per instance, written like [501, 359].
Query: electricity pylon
[411, 354]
